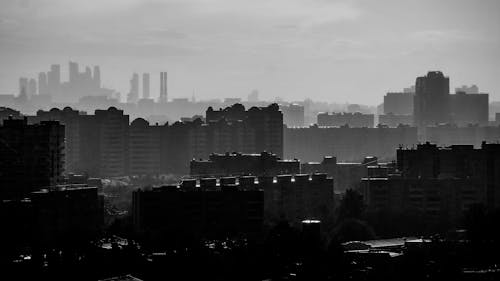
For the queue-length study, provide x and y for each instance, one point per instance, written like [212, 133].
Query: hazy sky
[336, 51]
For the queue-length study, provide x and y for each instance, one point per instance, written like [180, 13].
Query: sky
[330, 50]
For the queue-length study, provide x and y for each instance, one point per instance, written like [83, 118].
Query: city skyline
[294, 50]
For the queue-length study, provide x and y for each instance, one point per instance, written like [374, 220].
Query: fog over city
[257, 140]
[335, 51]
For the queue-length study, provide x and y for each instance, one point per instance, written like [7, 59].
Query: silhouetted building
[163, 87]
[72, 139]
[347, 144]
[346, 175]
[399, 103]
[190, 211]
[296, 198]
[6, 112]
[393, 120]
[432, 100]
[469, 108]
[439, 183]
[355, 120]
[145, 85]
[144, 148]
[31, 156]
[227, 206]
[32, 88]
[112, 126]
[133, 95]
[97, 77]
[473, 89]
[243, 164]
[446, 134]
[105, 145]
[23, 87]
[80, 84]
[43, 86]
[256, 130]
[293, 115]
[54, 79]
[66, 215]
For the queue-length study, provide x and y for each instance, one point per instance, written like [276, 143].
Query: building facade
[235, 164]
[311, 144]
[439, 183]
[31, 156]
[354, 120]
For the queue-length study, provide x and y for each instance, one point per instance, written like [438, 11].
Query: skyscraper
[133, 95]
[54, 79]
[97, 76]
[432, 100]
[73, 72]
[43, 87]
[145, 85]
[32, 89]
[163, 87]
[23, 86]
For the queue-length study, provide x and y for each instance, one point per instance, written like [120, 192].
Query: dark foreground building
[66, 215]
[31, 156]
[189, 211]
[236, 164]
[220, 208]
[439, 183]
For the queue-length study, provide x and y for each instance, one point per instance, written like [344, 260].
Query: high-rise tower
[97, 76]
[145, 85]
[133, 95]
[54, 79]
[43, 88]
[163, 87]
[432, 100]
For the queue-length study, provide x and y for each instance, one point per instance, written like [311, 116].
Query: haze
[336, 51]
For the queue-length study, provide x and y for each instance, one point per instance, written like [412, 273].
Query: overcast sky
[336, 51]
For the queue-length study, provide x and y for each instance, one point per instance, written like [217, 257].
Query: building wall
[469, 109]
[440, 183]
[355, 120]
[398, 103]
[144, 148]
[347, 144]
[66, 215]
[243, 164]
[393, 120]
[201, 211]
[31, 156]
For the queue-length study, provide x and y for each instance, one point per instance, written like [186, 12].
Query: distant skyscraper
[97, 76]
[145, 85]
[73, 72]
[163, 87]
[54, 79]
[133, 95]
[253, 96]
[88, 74]
[23, 86]
[432, 100]
[43, 87]
[32, 89]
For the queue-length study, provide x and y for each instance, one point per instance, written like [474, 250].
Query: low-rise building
[236, 164]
